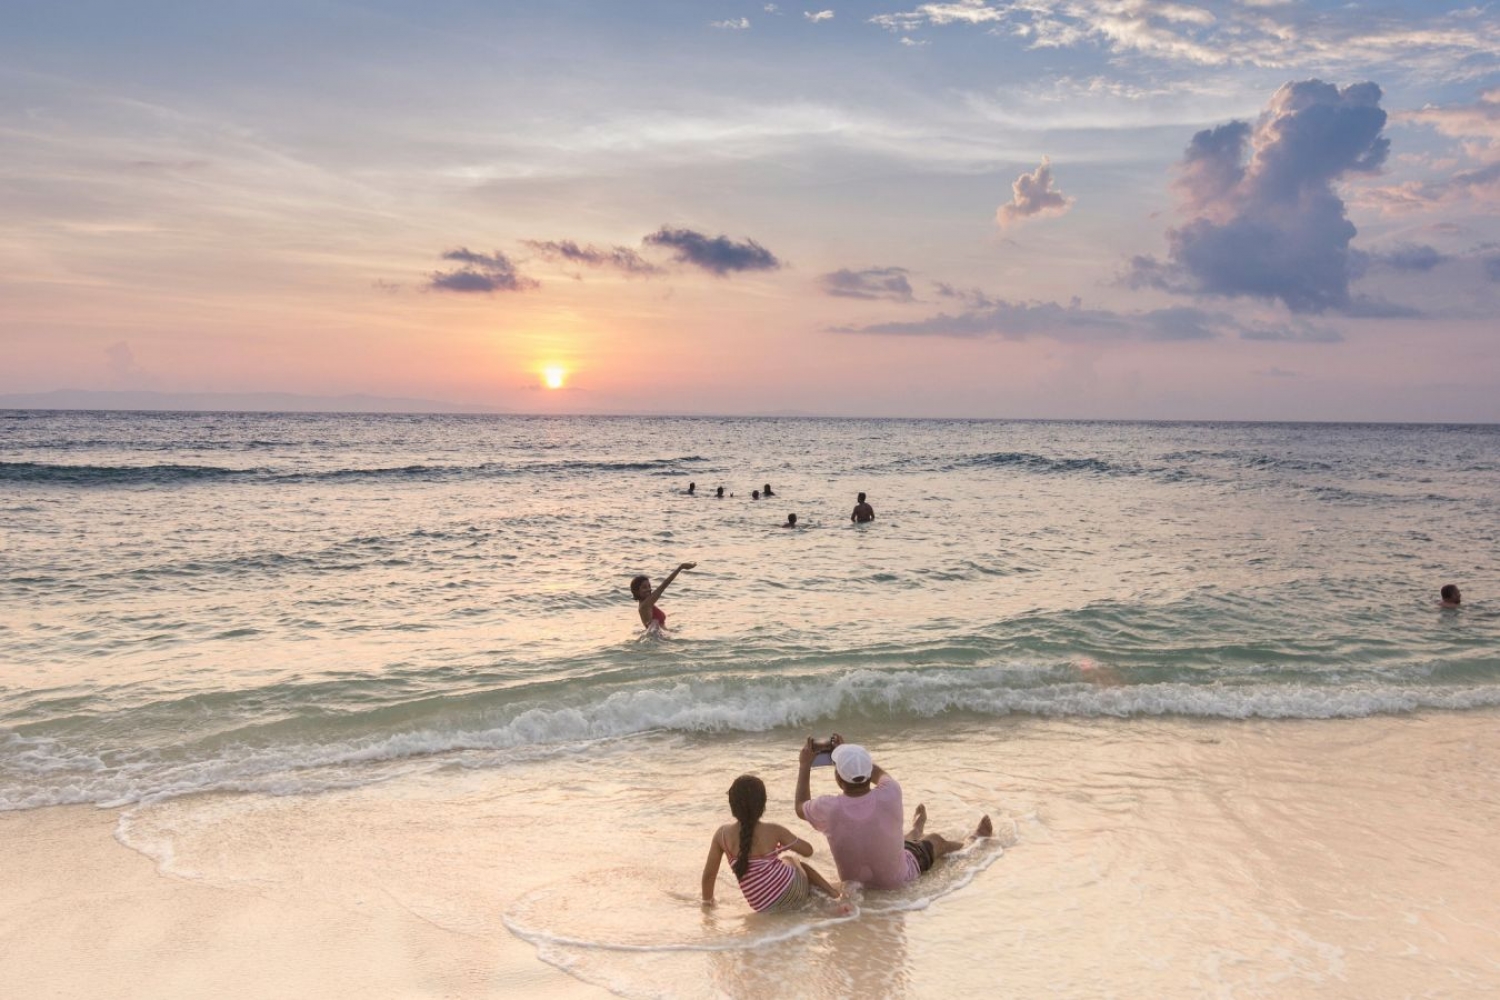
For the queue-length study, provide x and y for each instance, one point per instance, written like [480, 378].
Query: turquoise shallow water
[291, 602]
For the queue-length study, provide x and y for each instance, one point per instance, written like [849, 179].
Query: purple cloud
[622, 259]
[871, 283]
[481, 273]
[717, 254]
[1271, 226]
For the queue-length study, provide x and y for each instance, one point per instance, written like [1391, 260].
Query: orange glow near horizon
[553, 376]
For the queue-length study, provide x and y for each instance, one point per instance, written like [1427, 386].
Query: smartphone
[824, 758]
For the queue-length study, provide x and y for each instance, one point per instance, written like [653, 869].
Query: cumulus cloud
[1033, 196]
[716, 254]
[734, 24]
[872, 283]
[481, 272]
[622, 259]
[1271, 226]
[822, 15]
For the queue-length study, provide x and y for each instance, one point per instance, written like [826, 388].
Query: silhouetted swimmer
[719, 493]
[645, 598]
[863, 512]
[692, 489]
[755, 494]
[791, 521]
[1450, 595]
[766, 492]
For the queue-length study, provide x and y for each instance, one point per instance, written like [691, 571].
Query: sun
[553, 376]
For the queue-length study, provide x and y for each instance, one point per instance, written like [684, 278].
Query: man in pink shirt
[863, 825]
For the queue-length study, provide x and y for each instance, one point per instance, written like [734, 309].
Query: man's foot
[985, 827]
[918, 822]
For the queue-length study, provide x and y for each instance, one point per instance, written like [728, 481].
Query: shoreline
[1170, 857]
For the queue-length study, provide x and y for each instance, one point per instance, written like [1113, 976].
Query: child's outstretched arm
[711, 868]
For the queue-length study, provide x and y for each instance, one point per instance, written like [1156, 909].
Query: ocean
[215, 621]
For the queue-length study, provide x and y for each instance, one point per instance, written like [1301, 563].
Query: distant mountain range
[239, 402]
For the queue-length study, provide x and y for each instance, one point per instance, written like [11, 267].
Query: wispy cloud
[1033, 195]
[623, 259]
[733, 24]
[1272, 34]
[480, 273]
[871, 283]
[819, 16]
[716, 254]
[995, 318]
[1477, 177]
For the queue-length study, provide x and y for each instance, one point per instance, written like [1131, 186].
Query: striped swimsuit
[769, 880]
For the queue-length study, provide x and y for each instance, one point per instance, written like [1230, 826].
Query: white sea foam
[37, 772]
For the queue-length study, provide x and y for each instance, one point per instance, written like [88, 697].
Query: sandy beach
[1154, 857]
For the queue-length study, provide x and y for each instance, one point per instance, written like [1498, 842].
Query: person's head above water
[766, 490]
[719, 492]
[1451, 596]
[692, 487]
[861, 498]
[755, 494]
[791, 521]
[640, 586]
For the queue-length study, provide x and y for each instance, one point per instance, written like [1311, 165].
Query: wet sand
[1159, 857]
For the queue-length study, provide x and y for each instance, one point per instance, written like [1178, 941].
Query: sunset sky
[1239, 209]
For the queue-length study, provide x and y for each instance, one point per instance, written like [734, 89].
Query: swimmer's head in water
[861, 498]
[640, 587]
[791, 519]
[1450, 594]
[747, 803]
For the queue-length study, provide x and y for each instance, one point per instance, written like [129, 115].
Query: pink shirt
[866, 835]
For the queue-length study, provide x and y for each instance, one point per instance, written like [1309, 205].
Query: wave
[44, 473]
[1041, 463]
[38, 771]
[115, 475]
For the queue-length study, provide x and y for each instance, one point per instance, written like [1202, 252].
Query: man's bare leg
[918, 823]
[942, 845]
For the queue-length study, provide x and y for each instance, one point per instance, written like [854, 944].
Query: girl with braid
[768, 881]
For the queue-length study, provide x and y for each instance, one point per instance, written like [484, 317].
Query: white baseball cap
[852, 762]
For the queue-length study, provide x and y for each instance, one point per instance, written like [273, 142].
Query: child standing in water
[769, 882]
[654, 618]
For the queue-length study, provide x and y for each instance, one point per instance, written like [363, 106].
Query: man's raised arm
[804, 775]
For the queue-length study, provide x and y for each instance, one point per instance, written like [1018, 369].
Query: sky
[1118, 209]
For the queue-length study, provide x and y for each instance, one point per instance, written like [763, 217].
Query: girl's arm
[670, 577]
[711, 868]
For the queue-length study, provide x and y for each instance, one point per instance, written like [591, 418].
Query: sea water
[242, 629]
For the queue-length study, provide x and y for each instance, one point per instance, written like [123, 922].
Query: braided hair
[747, 803]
